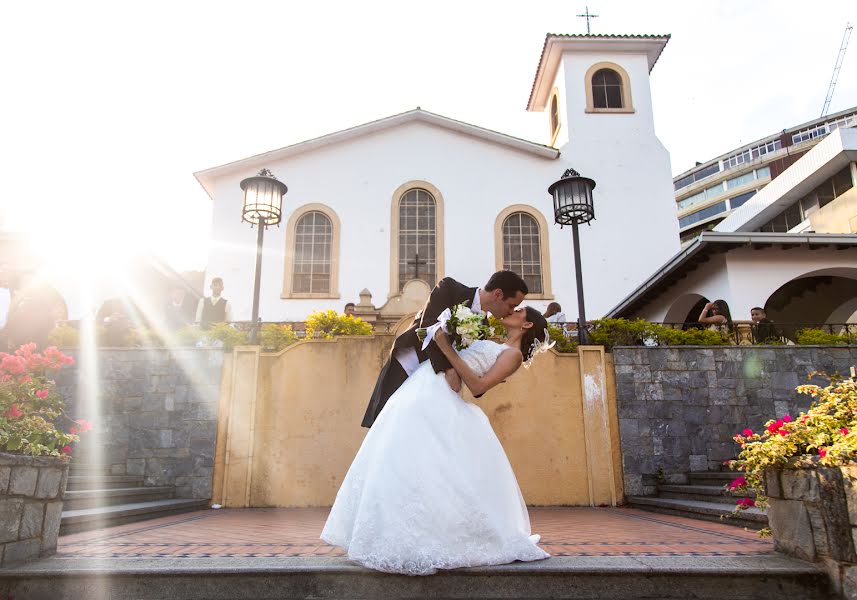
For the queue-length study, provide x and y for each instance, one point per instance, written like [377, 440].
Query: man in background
[215, 308]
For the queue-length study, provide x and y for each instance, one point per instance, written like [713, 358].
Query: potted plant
[35, 445]
[804, 471]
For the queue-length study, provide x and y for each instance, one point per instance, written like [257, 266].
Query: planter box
[813, 516]
[31, 491]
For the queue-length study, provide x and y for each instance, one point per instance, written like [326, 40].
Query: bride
[431, 487]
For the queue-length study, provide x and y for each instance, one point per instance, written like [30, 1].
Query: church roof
[710, 243]
[557, 43]
[206, 177]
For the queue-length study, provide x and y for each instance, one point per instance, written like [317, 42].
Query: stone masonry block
[10, 518]
[32, 520]
[792, 530]
[23, 481]
[53, 514]
[19, 552]
[698, 462]
[5, 475]
[49, 482]
[773, 489]
[800, 484]
[849, 481]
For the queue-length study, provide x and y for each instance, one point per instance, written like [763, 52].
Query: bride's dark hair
[536, 332]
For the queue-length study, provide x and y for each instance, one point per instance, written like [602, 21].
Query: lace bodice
[482, 354]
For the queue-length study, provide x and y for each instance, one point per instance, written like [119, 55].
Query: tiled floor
[294, 532]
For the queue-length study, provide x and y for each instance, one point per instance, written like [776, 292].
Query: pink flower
[739, 481]
[25, 379]
[73, 430]
[746, 502]
[42, 394]
[844, 431]
[774, 426]
[787, 418]
[14, 365]
[822, 452]
[782, 432]
[747, 432]
[13, 412]
[84, 425]
[66, 449]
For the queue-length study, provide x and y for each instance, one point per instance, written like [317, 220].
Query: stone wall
[154, 413]
[680, 406]
[31, 490]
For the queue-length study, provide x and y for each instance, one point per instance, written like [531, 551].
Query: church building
[390, 207]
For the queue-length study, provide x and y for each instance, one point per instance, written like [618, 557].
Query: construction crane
[836, 68]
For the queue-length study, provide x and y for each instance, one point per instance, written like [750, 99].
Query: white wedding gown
[431, 487]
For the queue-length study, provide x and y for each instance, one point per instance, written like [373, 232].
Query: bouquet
[461, 324]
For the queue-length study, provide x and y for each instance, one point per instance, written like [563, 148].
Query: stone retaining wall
[31, 490]
[154, 413]
[680, 406]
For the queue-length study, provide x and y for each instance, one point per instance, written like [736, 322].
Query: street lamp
[263, 202]
[572, 205]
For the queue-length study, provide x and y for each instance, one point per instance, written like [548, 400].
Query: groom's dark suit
[446, 294]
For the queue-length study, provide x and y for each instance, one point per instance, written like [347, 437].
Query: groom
[504, 291]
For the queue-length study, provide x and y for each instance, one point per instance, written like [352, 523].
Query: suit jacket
[446, 294]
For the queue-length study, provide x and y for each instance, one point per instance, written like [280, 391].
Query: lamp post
[263, 202]
[572, 205]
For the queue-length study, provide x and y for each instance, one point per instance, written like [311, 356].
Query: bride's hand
[442, 340]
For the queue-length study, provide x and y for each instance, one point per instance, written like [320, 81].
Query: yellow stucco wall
[289, 424]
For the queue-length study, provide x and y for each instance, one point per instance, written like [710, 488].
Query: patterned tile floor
[294, 532]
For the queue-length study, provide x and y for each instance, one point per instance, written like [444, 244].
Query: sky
[108, 108]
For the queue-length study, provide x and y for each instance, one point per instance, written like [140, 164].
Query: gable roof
[710, 243]
[556, 44]
[206, 177]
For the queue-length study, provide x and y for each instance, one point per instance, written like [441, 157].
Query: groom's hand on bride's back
[453, 379]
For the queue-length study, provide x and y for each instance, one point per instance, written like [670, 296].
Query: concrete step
[85, 519]
[766, 577]
[78, 499]
[752, 518]
[720, 478]
[703, 493]
[102, 482]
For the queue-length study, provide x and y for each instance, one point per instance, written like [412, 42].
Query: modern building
[790, 249]
[711, 191]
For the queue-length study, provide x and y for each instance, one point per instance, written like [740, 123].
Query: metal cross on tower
[587, 15]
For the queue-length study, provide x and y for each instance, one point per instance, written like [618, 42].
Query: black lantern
[263, 203]
[572, 199]
[572, 205]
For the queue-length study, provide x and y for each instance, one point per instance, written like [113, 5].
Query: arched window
[313, 235]
[554, 116]
[522, 249]
[417, 238]
[607, 89]
[312, 253]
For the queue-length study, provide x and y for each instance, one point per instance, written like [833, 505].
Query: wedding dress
[431, 487]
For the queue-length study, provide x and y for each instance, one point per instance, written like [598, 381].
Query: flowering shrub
[329, 323]
[32, 413]
[819, 337]
[826, 434]
[622, 332]
[276, 337]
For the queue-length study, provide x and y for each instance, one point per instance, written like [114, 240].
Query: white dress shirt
[408, 358]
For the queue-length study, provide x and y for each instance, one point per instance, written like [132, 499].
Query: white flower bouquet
[461, 324]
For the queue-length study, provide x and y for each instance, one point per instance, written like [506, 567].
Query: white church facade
[394, 205]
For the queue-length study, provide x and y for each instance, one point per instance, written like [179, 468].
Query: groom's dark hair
[508, 281]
